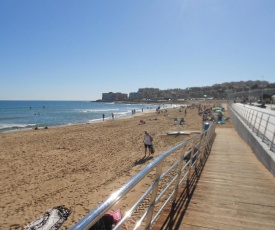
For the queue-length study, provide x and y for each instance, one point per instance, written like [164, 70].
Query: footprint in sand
[15, 226]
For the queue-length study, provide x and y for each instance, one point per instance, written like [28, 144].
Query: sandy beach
[79, 166]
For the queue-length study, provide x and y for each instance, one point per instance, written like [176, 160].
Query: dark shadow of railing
[179, 208]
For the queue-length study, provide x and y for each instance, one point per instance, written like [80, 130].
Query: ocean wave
[94, 120]
[95, 110]
[122, 113]
[11, 127]
[9, 118]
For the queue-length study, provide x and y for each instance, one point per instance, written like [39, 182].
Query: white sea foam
[14, 126]
[95, 110]
[6, 128]
[94, 120]
[122, 113]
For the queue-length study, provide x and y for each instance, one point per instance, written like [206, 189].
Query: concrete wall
[261, 150]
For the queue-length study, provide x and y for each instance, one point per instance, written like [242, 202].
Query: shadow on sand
[142, 160]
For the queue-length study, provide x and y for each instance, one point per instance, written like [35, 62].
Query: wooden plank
[222, 224]
[241, 206]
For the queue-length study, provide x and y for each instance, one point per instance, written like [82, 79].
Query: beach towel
[50, 220]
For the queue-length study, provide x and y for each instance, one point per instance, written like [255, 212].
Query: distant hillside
[227, 90]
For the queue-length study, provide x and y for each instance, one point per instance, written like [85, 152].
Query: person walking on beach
[148, 142]
[103, 116]
[113, 116]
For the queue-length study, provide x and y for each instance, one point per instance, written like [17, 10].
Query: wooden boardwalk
[235, 191]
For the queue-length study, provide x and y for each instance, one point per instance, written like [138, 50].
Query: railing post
[154, 195]
[255, 122]
[246, 116]
[202, 144]
[250, 122]
[272, 141]
[243, 115]
[178, 176]
[207, 143]
[247, 122]
[190, 163]
[265, 128]
[260, 124]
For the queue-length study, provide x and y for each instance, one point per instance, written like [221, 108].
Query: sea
[24, 115]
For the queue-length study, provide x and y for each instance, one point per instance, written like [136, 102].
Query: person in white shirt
[148, 142]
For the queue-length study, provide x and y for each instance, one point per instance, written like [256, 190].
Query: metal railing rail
[195, 148]
[261, 123]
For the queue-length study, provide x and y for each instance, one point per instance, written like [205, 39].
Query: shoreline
[127, 115]
[79, 166]
[94, 121]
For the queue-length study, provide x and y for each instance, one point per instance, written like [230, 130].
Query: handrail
[261, 123]
[200, 143]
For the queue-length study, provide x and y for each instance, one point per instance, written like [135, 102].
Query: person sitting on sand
[148, 139]
[141, 122]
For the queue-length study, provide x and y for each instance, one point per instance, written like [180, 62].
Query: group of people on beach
[103, 116]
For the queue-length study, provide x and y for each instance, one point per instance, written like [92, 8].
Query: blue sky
[77, 50]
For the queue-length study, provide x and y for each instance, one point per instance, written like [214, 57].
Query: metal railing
[261, 123]
[189, 155]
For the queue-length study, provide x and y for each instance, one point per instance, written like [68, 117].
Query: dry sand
[79, 166]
